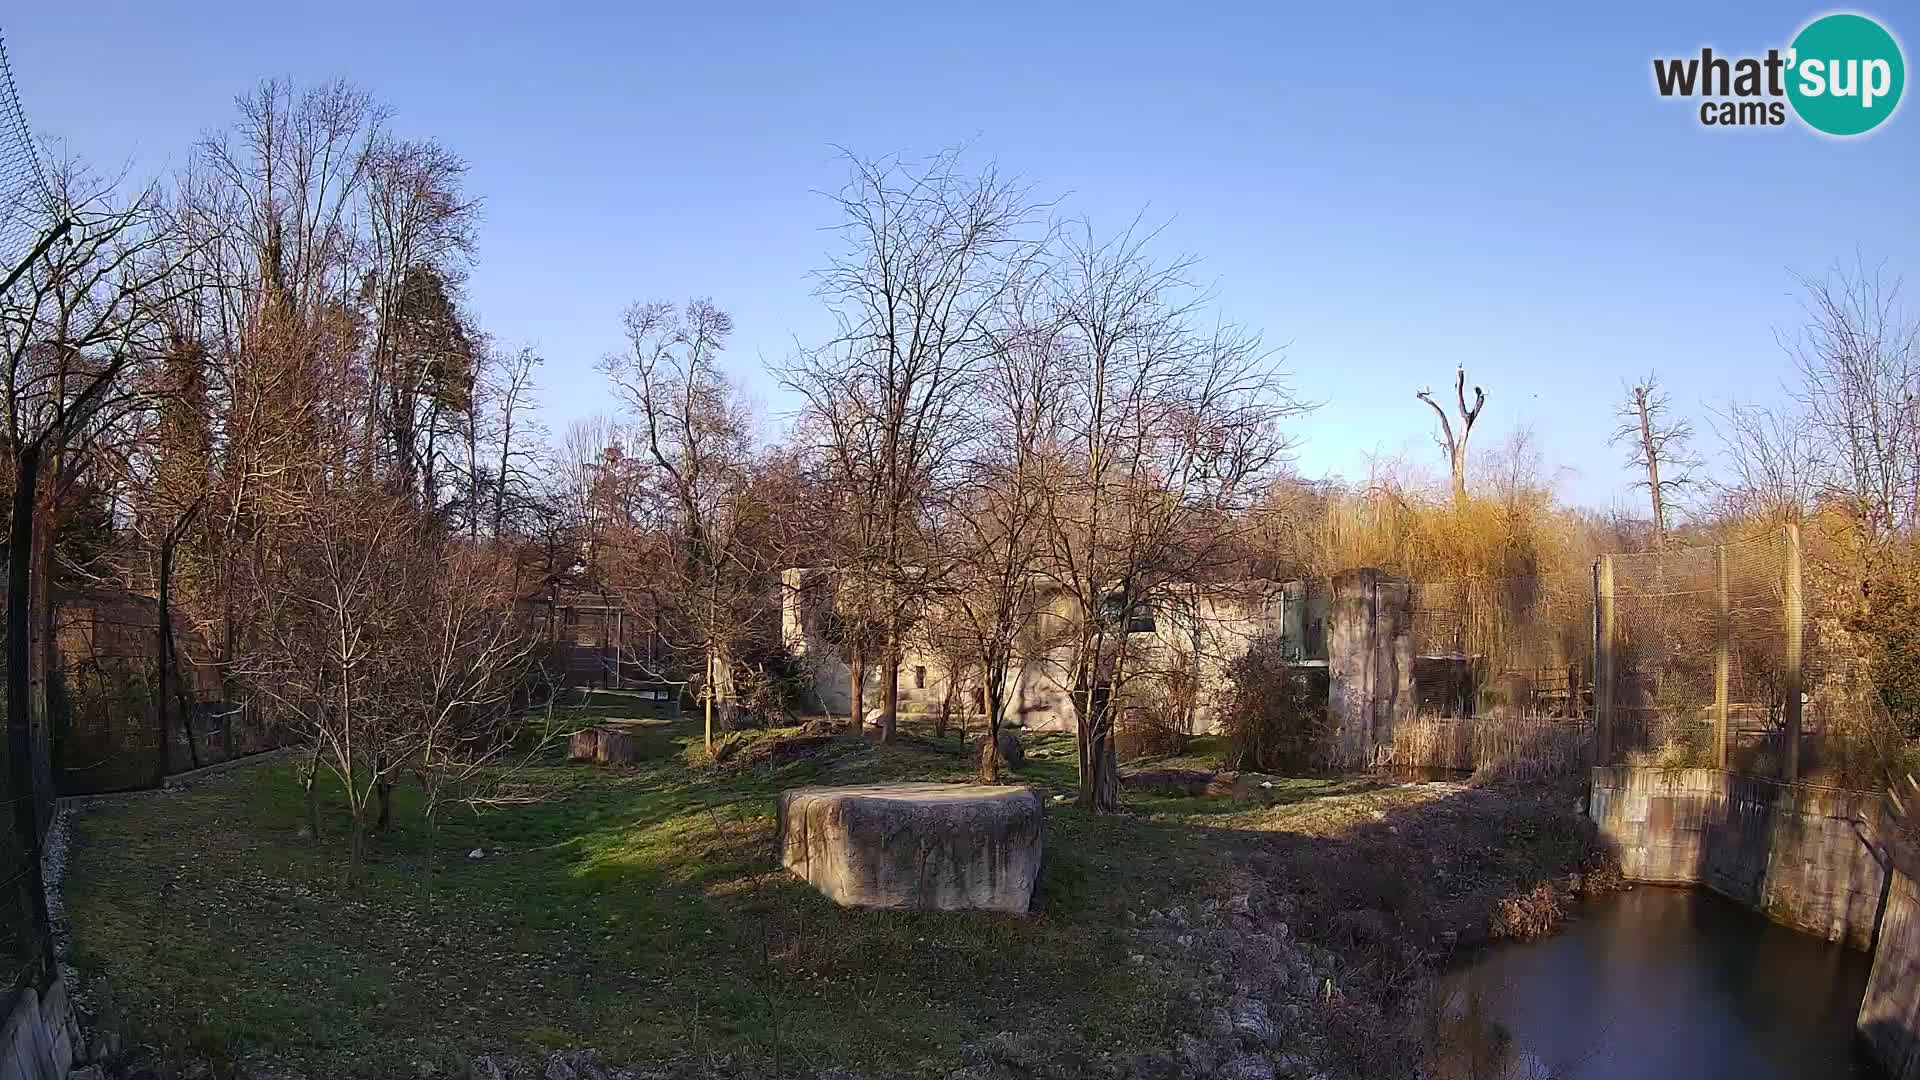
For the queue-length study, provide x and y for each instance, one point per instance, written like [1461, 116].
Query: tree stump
[941, 847]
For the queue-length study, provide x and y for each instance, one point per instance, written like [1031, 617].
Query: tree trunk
[706, 693]
[383, 787]
[163, 659]
[1100, 768]
[946, 710]
[989, 764]
[1102, 794]
[1652, 456]
[27, 798]
[357, 844]
[43, 659]
[311, 788]
[228, 714]
[857, 692]
[26, 821]
[890, 688]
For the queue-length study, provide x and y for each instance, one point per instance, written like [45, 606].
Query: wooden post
[1794, 614]
[1722, 655]
[1603, 660]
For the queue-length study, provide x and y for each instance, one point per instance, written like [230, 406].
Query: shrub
[770, 690]
[1148, 732]
[1530, 915]
[1275, 713]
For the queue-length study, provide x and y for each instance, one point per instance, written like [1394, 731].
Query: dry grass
[1513, 748]
[1530, 915]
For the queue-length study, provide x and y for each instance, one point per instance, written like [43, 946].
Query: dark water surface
[1665, 983]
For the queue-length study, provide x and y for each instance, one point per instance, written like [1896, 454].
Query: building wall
[1201, 629]
[1370, 689]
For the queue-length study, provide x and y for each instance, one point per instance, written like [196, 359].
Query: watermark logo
[1842, 75]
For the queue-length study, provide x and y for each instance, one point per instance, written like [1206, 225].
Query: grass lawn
[639, 911]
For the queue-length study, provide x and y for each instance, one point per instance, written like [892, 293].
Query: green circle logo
[1845, 74]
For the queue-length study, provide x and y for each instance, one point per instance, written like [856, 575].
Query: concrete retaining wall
[1820, 860]
[1890, 1011]
[1805, 856]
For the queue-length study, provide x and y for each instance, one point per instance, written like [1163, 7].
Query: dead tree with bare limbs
[1659, 446]
[1456, 444]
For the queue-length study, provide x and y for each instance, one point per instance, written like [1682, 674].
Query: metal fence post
[1722, 656]
[1603, 660]
[1794, 611]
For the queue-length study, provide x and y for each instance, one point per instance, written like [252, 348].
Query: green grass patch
[640, 911]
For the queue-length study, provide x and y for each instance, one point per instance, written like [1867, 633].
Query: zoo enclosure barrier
[106, 724]
[1500, 679]
[1729, 656]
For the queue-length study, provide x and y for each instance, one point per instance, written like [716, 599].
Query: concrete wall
[1824, 861]
[39, 1038]
[1890, 1012]
[1195, 628]
[1805, 856]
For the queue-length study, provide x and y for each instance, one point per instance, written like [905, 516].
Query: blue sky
[1388, 190]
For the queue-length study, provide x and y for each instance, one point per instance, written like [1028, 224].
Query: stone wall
[39, 1037]
[1805, 856]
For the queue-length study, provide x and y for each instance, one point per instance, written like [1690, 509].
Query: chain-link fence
[1731, 656]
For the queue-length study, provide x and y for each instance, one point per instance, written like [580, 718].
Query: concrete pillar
[1369, 663]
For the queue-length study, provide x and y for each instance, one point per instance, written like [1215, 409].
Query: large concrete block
[946, 847]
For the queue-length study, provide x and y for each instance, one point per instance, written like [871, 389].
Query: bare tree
[1455, 443]
[1773, 461]
[995, 593]
[1169, 432]
[1660, 446]
[929, 253]
[1858, 358]
[82, 319]
[697, 439]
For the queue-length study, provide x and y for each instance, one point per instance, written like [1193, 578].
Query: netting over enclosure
[24, 198]
[1728, 656]
[25, 941]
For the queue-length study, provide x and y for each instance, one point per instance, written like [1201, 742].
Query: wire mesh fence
[25, 200]
[105, 706]
[1731, 656]
[1517, 646]
[26, 942]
